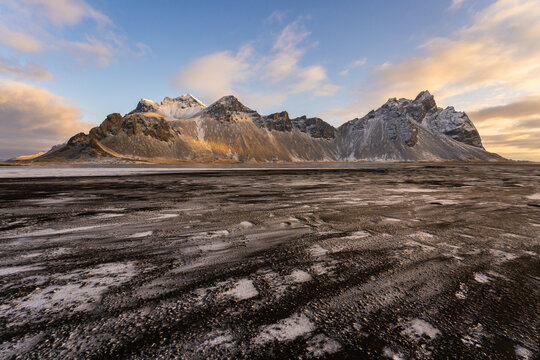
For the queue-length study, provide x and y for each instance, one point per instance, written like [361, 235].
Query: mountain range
[185, 129]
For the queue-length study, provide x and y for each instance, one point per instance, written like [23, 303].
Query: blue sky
[78, 61]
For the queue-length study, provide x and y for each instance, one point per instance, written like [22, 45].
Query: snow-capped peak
[423, 95]
[148, 101]
[187, 99]
[181, 107]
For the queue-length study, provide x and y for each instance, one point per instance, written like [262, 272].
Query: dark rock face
[145, 105]
[133, 124]
[455, 124]
[227, 109]
[110, 126]
[399, 125]
[156, 127]
[314, 127]
[278, 122]
[420, 106]
[449, 122]
[79, 139]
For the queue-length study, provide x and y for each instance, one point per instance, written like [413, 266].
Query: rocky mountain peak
[231, 103]
[229, 108]
[145, 105]
[423, 95]
[181, 107]
[277, 121]
[186, 100]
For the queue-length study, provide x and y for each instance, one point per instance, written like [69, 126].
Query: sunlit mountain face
[185, 129]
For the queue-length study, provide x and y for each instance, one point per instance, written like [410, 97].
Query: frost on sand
[287, 329]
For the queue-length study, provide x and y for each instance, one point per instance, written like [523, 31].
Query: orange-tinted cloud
[33, 119]
[20, 41]
[494, 60]
[30, 71]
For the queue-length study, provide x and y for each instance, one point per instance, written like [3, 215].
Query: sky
[66, 64]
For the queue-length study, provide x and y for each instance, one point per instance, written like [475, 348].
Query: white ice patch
[502, 256]
[418, 328]
[534, 196]
[299, 276]
[320, 345]
[462, 292]
[140, 235]
[215, 246]
[246, 224]
[421, 235]
[164, 216]
[77, 290]
[49, 232]
[220, 338]
[107, 216]
[4, 271]
[412, 190]
[53, 201]
[481, 278]
[360, 234]
[317, 250]
[389, 353]
[286, 329]
[243, 289]
[523, 353]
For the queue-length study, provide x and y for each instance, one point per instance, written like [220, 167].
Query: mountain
[185, 129]
[182, 107]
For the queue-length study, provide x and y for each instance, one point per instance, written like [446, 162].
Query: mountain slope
[184, 128]
[411, 130]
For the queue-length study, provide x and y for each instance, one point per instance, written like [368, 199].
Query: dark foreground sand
[387, 261]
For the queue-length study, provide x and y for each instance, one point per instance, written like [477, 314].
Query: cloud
[500, 49]
[514, 110]
[66, 12]
[276, 16]
[101, 52]
[30, 71]
[32, 119]
[353, 65]
[493, 60]
[214, 75]
[19, 41]
[37, 25]
[456, 4]
[264, 79]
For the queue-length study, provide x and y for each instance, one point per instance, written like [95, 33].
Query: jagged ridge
[183, 128]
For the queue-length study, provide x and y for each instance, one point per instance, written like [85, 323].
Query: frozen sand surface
[286, 263]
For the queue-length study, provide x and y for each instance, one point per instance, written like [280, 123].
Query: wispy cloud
[523, 107]
[19, 41]
[101, 52]
[277, 16]
[266, 78]
[65, 12]
[28, 71]
[32, 119]
[32, 26]
[353, 65]
[456, 4]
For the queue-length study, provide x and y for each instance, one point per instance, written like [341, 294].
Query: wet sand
[396, 261]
